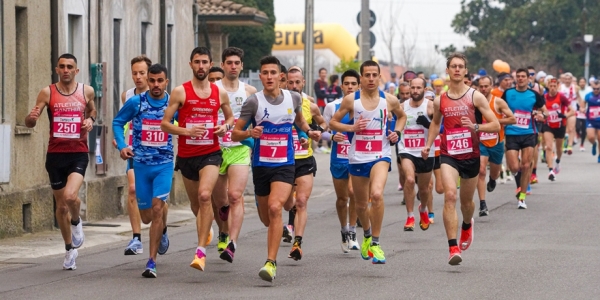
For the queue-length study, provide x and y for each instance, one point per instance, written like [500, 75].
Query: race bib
[152, 135]
[343, 148]
[66, 125]
[298, 150]
[227, 142]
[459, 141]
[273, 148]
[553, 116]
[207, 137]
[414, 139]
[523, 119]
[486, 136]
[130, 135]
[369, 142]
[594, 112]
[436, 143]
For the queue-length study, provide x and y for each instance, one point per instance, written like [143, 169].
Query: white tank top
[236, 100]
[370, 144]
[129, 134]
[129, 93]
[414, 136]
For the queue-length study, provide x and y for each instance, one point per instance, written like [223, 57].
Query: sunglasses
[596, 89]
[531, 74]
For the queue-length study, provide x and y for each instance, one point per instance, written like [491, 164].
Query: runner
[570, 90]
[139, 74]
[404, 95]
[228, 194]
[320, 87]
[504, 83]
[215, 74]
[580, 125]
[369, 156]
[492, 144]
[555, 127]
[532, 84]
[416, 170]
[152, 157]
[462, 109]
[592, 100]
[521, 136]
[273, 112]
[199, 156]
[345, 203]
[283, 79]
[305, 168]
[72, 115]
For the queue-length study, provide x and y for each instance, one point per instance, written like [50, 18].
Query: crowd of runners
[450, 136]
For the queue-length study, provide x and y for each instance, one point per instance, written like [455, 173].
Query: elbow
[164, 126]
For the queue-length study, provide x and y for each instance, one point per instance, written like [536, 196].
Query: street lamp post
[588, 38]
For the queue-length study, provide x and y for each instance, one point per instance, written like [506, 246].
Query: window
[116, 66]
[75, 36]
[21, 65]
[144, 37]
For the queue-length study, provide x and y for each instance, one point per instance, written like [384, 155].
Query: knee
[274, 211]
[301, 202]
[450, 197]
[341, 201]
[157, 211]
[235, 197]
[409, 181]
[62, 209]
[376, 196]
[204, 197]
[482, 172]
[525, 165]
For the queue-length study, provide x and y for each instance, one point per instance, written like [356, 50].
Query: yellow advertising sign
[326, 36]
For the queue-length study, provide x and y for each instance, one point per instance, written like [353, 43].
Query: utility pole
[588, 39]
[365, 35]
[309, 49]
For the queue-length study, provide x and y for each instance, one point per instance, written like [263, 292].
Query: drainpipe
[3, 61]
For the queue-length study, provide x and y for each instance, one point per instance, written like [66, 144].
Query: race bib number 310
[152, 135]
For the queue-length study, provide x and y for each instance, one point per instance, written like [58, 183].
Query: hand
[126, 153]
[87, 125]
[221, 130]
[425, 153]
[422, 120]
[361, 124]
[256, 132]
[466, 122]
[339, 137]
[539, 117]
[561, 115]
[392, 137]
[114, 142]
[196, 130]
[304, 143]
[315, 135]
[582, 110]
[34, 114]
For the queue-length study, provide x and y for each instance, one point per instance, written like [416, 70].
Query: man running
[152, 156]
[492, 144]
[592, 101]
[504, 83]
[215, 74]
[462, 108]
[570, 90]
[233, 175]
[273, 152]
[521, 136]
[403, 96]
[305, 167]
[418, 111]
[345, 203]
[72, 115]
[559, 110]
[199, 155]
[370, 154]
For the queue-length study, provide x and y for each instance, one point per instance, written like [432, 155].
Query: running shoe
[466, 237]
[288, 233]
[164, 244]
[594, 148]
[424, 219]
[491, 185]
[364, 250]
[522, 204]
[77, 236]
[400, 187]
[454, 259]
[483, 210]
[344, 243]
[551, 176]
[296, 252]
[557, 169]
[228, 252]
[224, 213]
[134, 247]
[150, 271]
[581, 149]
[268, 271]
[410, 224]
[199, 260]
[431, 218]
[533, 179]
[569, 150]
[352, 243]
[223, 242]
[69, 262]
[209, 239]
[377, 253]
[599, 159]
[528, 191]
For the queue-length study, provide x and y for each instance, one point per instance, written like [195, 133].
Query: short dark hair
[419, 73]
[157, 69]
[141, 58]
[322, 69]
[369, 63]
[522, 70]
[333, 78]
[403, 84]
[456, 55]
[475, 82]
[67, 56]
[270, 60]
[216, 69]
[423, 80]
[530, 67]
[232, 51]
[283, 69]
[201, 51]
[351, 73]
[468, 76]
[487, 77]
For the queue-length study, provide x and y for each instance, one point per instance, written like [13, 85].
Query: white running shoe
[522, 205]
[352, 243]
[77, 236]
[344, 242]
[70, 256]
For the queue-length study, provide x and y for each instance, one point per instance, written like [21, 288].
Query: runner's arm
[434, 127]
[316, 114]
[481, 103]
[347, 106]
[395, 108]
[125, 115]
[240, 131]
[175, 102]
[565, 103]
[226, 108]
[508, 118]
[90, 108]
[42, 100]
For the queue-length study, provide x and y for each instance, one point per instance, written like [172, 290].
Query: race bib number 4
[595, 112]
[66, 125]
[459, 141]
[369, 142]
[207, 137]
[273, 148]
[152, 136]
[414, 139]
[343, 148]
[523, 119]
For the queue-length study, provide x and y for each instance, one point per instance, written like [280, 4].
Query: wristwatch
[398, 133]
[476, 127]
[93, 120]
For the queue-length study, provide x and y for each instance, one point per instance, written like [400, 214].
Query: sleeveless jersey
[299, 152]
[66, 114]
[414, 137]
[151, 145]
[275, 146]
[339, 151]
[521, 103]
[492, 139]
[459, 142]
[554, 106]
[593, 108]
[197, 111]
[570, 93]
[370, 144]
[128, 128]
[236, 100]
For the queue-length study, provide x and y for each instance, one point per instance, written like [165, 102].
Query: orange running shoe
[454, 259]
[533, 179]
[296, 252]
[424, 219]
[466, 237]
[410, 224]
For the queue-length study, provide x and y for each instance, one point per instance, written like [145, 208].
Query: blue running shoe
[150, 271]
[164, 244]
[134, 247]
[599, 159]
[594, 148]
[528, 192]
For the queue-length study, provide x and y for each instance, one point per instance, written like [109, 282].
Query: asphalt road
[549, 251]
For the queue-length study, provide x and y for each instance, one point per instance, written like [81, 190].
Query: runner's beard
[200, 77]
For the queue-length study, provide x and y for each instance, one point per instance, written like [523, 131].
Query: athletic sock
[201, 249]
[452, 242]
[298, 239]
[550, 169]
[352, 229]
[292, 216]
[75, 223]
[534, 171]
[466, 226]
[345, 229]
[375, 240]
[368, 233]
[518, 179]
[411, 214]
[138, 236]
[558, 161]
[68, 246]
[423, 208]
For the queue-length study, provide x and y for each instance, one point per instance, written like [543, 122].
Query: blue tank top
[340, 155]
[151, 145]
[521, 104]
[593, 107]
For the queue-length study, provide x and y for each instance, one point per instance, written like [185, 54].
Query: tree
[257, 41]
[347, 64]
[388, 29]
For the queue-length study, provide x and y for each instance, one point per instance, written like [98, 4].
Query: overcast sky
[429, 19]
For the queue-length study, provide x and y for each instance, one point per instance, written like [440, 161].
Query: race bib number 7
[273, 148]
